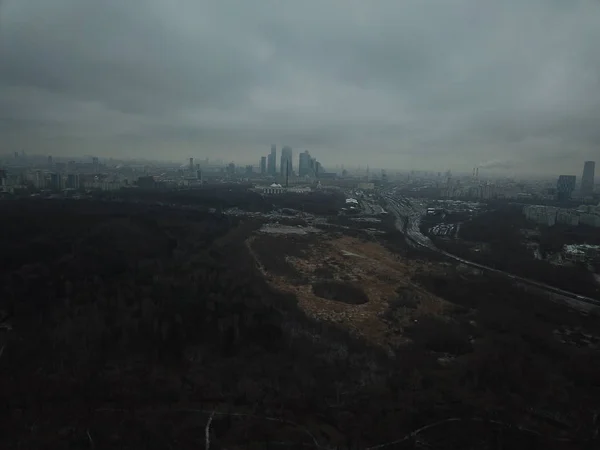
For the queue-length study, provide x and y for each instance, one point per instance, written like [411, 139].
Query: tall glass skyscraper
[286, 161]
[272, 161]
[587, 180]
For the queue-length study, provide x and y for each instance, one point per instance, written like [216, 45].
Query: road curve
[408, 222]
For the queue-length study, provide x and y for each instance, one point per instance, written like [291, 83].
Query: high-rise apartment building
[263, 165]
[286, 161]
[587, 180]
[39, 180]
[56, 181]
[73, 181]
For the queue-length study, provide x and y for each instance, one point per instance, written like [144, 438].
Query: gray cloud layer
[413, 83]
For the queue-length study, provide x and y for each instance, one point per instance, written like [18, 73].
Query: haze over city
[512, 86]
[258, 224]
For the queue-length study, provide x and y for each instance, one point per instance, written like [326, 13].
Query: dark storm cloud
[414, 83]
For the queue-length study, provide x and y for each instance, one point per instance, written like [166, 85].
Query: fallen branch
[414, 433]
[411, 435]
[90, 438]
[207, 431]
[216, 413]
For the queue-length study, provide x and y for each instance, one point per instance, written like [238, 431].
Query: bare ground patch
[327, 261]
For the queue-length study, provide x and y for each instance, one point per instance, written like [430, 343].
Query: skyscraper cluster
[308, 166]
[567, 183]
[268, 164]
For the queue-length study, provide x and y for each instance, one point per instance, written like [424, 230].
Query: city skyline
[256, 160]
[397, 84]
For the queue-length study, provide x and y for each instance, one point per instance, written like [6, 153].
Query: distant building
[587, 180]
[286, 161]
[542, 215]
[263, 165]
[567, 217]
[317, 167]
[39, 180]
[565, 186]
[49, 160]
[191, 164]
[55, 181]
[579, 253]
[73, 181]
[231, 169]
[249, 170]
[272, 161]
[487, 191]
[146, 182]
[105, 185]
[274, 189]
[366, 186]
[304, 164]
[548, 215]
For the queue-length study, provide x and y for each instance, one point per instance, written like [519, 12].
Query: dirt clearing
[366, 277]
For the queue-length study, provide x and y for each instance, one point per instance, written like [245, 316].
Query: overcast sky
[400, 84]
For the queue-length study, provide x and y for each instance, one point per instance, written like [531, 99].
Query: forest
[126, 325]
[229, 195]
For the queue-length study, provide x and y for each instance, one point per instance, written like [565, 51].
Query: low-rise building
[542, 215]
[567, 217]
[274, 189]
[581, 252]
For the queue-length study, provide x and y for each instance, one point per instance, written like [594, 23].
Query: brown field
[367, 266]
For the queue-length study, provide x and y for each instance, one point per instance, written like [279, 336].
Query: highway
[408, 214]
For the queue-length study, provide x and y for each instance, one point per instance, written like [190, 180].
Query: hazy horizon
[510, 86]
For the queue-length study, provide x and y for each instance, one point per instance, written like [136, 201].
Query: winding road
[408, 214]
